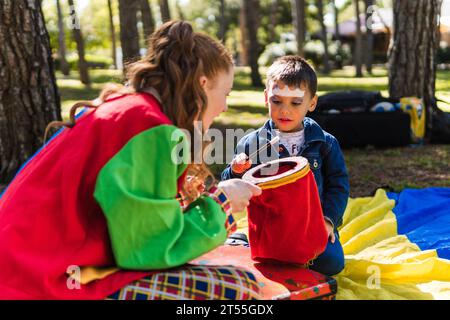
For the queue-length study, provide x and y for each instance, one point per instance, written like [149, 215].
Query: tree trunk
[273, 20]
[337, 32]
[78, 37]
[299, 22]
[250, 8]
[179, 11]
[369, 36]
[244, 39]
[64, 65]
[357, 54]
[412, 61]
[326, 63]
[165, 11]
[387, 38]
[336, 22]
[129, 34]
[29, 97]
[223, 22]
[147, 18]
[112, 31]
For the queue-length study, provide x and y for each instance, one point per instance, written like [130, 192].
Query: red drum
[286, 222]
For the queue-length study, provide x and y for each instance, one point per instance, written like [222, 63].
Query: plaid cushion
[193, 283]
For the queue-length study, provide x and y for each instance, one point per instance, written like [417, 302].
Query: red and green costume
[102, 194]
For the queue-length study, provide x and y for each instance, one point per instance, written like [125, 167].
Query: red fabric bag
[286, 222]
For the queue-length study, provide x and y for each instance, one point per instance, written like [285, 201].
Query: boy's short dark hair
[293, 70]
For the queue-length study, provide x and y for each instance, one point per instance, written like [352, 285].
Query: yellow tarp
[379, 263]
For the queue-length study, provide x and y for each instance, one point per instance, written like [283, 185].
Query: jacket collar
[313, 132]
[153, 92]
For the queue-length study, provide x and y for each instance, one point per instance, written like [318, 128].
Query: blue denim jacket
[325, 158]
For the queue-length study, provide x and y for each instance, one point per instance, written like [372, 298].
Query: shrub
[313, 51]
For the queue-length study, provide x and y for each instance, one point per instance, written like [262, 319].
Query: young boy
[290, 94]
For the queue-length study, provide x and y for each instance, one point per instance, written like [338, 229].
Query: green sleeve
[136, 190]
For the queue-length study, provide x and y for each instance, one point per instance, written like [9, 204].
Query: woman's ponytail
[176, 59]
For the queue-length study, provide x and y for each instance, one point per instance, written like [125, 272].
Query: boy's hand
[240, 163]
[330, 231]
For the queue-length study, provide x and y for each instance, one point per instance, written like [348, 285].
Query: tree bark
[369, 36]
[129, 34]
[147, 18]
[244, 39]
[179, 11]
[336, 22]
[273, 20]
[29, 97]
[337, 35]
[78, 37]
[64, 65]
[222, 22]
[165, 10]
[357, 54]
[412, 61]
[112, 31]
[251, 10]
[326, 62]
[299, 22]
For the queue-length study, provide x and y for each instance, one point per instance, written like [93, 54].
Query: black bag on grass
[440, 132]
[349, 101]
[379, 129]
[354, 125]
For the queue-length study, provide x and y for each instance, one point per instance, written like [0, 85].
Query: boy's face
[288, 106]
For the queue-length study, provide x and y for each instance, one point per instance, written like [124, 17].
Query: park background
[57, 52]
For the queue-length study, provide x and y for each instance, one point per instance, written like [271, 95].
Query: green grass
[72, 90]
[369, 168]
[244, 96]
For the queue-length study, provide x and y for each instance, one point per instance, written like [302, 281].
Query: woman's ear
[313, 104]
[203, 81]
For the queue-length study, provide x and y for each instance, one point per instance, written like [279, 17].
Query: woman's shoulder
[129, 109]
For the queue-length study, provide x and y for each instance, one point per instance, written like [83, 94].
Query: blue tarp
[423, 215]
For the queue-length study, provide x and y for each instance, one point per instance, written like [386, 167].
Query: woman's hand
[240, 163]
[330, 231]
[239, 193]
[195, 184]
[193, 189]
